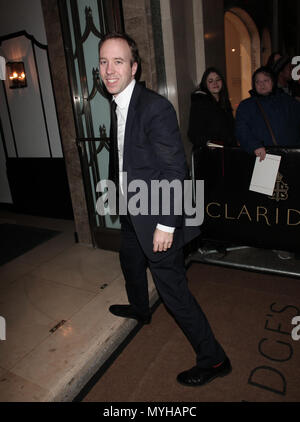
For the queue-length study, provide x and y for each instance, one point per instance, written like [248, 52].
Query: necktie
[113, 147]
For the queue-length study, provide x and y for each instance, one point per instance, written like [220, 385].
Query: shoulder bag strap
[267, 121]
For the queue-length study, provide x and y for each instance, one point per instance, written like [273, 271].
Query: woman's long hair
[223, 95]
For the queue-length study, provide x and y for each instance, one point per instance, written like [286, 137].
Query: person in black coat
[148, 145]
[211, 117]
[280, 109]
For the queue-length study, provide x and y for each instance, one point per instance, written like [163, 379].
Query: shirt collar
[123, 98]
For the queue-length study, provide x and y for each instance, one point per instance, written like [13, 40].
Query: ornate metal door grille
[83, 26]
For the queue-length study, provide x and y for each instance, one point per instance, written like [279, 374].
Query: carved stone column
[138, 24]
[65, 117]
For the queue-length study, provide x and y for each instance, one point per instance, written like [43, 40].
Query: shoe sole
[208, 381]
[140, 321]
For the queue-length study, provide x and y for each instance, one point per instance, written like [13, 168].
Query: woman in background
[211, 117]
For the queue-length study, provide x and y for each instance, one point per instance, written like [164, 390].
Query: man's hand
[261, 153]
[162, 240]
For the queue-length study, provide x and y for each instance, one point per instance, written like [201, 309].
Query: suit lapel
[129, 124]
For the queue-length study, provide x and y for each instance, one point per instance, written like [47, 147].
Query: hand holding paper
[261, 153]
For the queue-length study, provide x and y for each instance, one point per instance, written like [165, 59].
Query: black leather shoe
[126, 311]
[197, 376]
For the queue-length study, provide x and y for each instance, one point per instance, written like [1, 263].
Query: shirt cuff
[165, 228]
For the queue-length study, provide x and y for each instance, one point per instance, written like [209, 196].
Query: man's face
[263, 84]
[115, 65]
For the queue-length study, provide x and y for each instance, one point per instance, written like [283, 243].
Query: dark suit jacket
[153, 150]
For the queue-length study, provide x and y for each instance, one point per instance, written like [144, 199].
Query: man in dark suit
[149, 148]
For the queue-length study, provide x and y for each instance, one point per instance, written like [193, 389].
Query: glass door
[84, 22]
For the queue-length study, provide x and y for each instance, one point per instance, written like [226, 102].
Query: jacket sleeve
[245, 131]
[164, 136]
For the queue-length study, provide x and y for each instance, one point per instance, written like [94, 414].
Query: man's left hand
[162, 240]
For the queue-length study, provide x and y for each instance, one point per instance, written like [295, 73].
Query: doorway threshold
[250, 259]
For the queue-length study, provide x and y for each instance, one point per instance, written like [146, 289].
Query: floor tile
[58, 280]
[86, 337]
[47, 250]
[14, 388]
[12, 271]
[82, 267]
[31, 307]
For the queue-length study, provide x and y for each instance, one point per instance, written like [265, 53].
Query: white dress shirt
[122, 100]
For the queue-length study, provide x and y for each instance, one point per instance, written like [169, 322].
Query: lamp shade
[16, 75]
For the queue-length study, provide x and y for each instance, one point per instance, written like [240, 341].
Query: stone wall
[138, 24]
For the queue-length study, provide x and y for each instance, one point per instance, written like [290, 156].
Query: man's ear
[134, 68]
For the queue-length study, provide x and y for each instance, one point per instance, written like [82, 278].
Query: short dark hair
[268, 72]
[132, 45]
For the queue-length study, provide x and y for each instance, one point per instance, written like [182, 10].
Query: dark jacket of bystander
[283, 114]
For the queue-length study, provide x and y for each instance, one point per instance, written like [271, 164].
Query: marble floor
[59, 280]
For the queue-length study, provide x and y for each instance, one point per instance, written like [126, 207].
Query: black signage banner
[235, 214]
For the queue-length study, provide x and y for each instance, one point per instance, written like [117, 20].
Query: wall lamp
[16, 75]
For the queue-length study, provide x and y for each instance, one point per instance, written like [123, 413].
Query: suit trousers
[171, 283]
